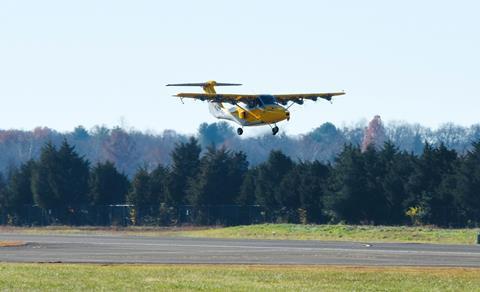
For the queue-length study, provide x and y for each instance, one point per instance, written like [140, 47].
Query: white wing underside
[223, 113]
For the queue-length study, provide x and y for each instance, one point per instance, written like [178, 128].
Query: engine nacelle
[299, 101]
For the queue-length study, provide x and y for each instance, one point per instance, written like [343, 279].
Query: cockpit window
[261, 101]
[267, 99]
[253, 103]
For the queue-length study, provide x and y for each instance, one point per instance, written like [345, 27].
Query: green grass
[342, 232]
[79, 277]
[284, 231]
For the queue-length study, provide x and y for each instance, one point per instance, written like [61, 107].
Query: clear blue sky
[65, 63]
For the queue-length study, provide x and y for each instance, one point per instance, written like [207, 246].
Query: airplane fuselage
[255, 114]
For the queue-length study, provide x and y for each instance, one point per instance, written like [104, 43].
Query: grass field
[286, 231]
[343, 232]
[68, 277]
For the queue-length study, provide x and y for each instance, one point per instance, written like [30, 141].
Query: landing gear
[239, 131]
[275, 130]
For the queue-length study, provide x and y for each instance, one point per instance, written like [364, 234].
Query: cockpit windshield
[267, 99]
[261, 101]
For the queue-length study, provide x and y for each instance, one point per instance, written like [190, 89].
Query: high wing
[218, 97]
[245, 98]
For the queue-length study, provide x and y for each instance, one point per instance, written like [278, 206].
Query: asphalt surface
[138, 249]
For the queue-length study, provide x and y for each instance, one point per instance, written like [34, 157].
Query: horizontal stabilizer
[203, 84]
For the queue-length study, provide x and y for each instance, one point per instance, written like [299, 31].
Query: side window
[254, 103]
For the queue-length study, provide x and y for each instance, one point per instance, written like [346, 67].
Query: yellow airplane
[250, 109]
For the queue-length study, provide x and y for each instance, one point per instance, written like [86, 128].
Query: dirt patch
[11, 243]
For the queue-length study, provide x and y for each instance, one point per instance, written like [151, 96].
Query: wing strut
[254, 115]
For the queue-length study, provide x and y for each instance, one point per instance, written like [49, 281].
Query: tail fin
[208, 87]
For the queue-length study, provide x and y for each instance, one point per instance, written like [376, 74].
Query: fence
[128, 215]
[163, 215]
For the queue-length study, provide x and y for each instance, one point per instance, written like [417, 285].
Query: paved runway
[136, 249]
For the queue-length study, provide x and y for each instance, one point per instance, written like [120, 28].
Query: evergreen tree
[247, 189]
[397, 168]
[347, 198]
[424, 186]
[147, 189]
[19, 187]
[107, 185]
[312, 189]
[374, 203]
[237, 170]
[44, 176]
[185, 165]
[287, 195]
[218, 181]
[142, 197]
[3, 193]
[72, 179]
[158, 179]
[212, 184]
[467, 187]
[270, 176]
[60, 181]
[141, 194]
[288, 189]
[443, 211]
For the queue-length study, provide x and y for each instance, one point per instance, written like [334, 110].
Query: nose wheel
[275, 130]
[239, 131]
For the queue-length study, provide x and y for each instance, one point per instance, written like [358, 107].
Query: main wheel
[239, 131]
[275, 130]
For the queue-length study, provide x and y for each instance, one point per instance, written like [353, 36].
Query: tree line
[130, 149]
[379, 184]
